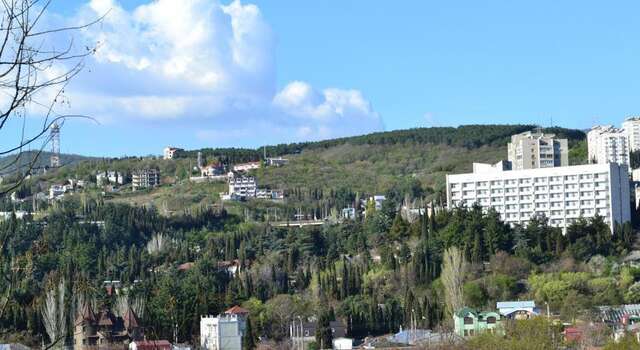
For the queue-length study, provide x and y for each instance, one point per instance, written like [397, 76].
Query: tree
[324, 335]
[249, 340]
[29, 71]
[30, 68]
[54, 316]
[454, 268]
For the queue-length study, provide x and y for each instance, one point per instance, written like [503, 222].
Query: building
[145, 178]
[14, 346]
[246, 166]
[517, 310]
[342, 343]
[607, 144]
[305, 332]
[150, 345]
[224, 332]
[279, 161]
[242, 186]
[532, 150]
[376, 200]
[170, 152]
[631, 127]
[469, 322]
[113, 177]
[349, 213]
[105, 329]
[57, 191]
[264, 193]
[212, 170]
[561, 194]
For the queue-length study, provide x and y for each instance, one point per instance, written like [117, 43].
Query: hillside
[378, 162]
[411, 161]
[9, 164]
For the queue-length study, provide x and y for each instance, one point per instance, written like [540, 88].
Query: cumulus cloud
[208, 65]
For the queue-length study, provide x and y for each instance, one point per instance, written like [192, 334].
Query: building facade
[607, 144]
[631, 127]
[468, 322]
[242, 186]
[517, 310]
[170, 152]
[145, 178]
[113, 177]
[246, 166]
[563, 194]
[532, 150]
[224, 332]
[105, 330]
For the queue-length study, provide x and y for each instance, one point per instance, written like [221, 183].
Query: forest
[374, 272]
[465, 136]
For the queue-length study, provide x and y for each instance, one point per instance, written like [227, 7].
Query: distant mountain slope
[10, 163]
[379, 161]
[465, 136]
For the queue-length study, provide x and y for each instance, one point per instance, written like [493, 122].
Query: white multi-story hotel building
[531, 150]
[631, 127]
[242, 186]
[607, 144]
[561, 194]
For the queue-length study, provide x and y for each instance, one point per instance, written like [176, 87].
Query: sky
[209, 73]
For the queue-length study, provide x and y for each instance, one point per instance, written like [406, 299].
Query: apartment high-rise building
[607, 144]
[631, 127]
[561, 194]
[534, 149]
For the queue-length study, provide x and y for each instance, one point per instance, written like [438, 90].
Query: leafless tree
[126, 301]
[157, 243]
[454, 268]
[35, 68]
[53, 311]
[34, 71]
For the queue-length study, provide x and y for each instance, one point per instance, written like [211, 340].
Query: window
[491, 320]
[468, 320]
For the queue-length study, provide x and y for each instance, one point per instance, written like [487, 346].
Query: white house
[246, 166]
[114, 177]
[378, 199]
[57, 191]
[342, 343]
[224, 332]
[170, 152]
[279, 161]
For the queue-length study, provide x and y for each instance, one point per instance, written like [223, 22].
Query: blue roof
[516, 304]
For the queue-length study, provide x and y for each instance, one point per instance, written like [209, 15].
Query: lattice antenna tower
[55, 145]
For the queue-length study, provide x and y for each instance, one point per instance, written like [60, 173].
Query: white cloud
[208, 66]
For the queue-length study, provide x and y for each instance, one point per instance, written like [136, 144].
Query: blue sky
[330, 68]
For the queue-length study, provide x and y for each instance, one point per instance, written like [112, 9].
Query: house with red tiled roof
[237, 310]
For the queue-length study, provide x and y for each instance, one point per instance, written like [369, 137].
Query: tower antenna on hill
[55, 145]
[264, 149]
